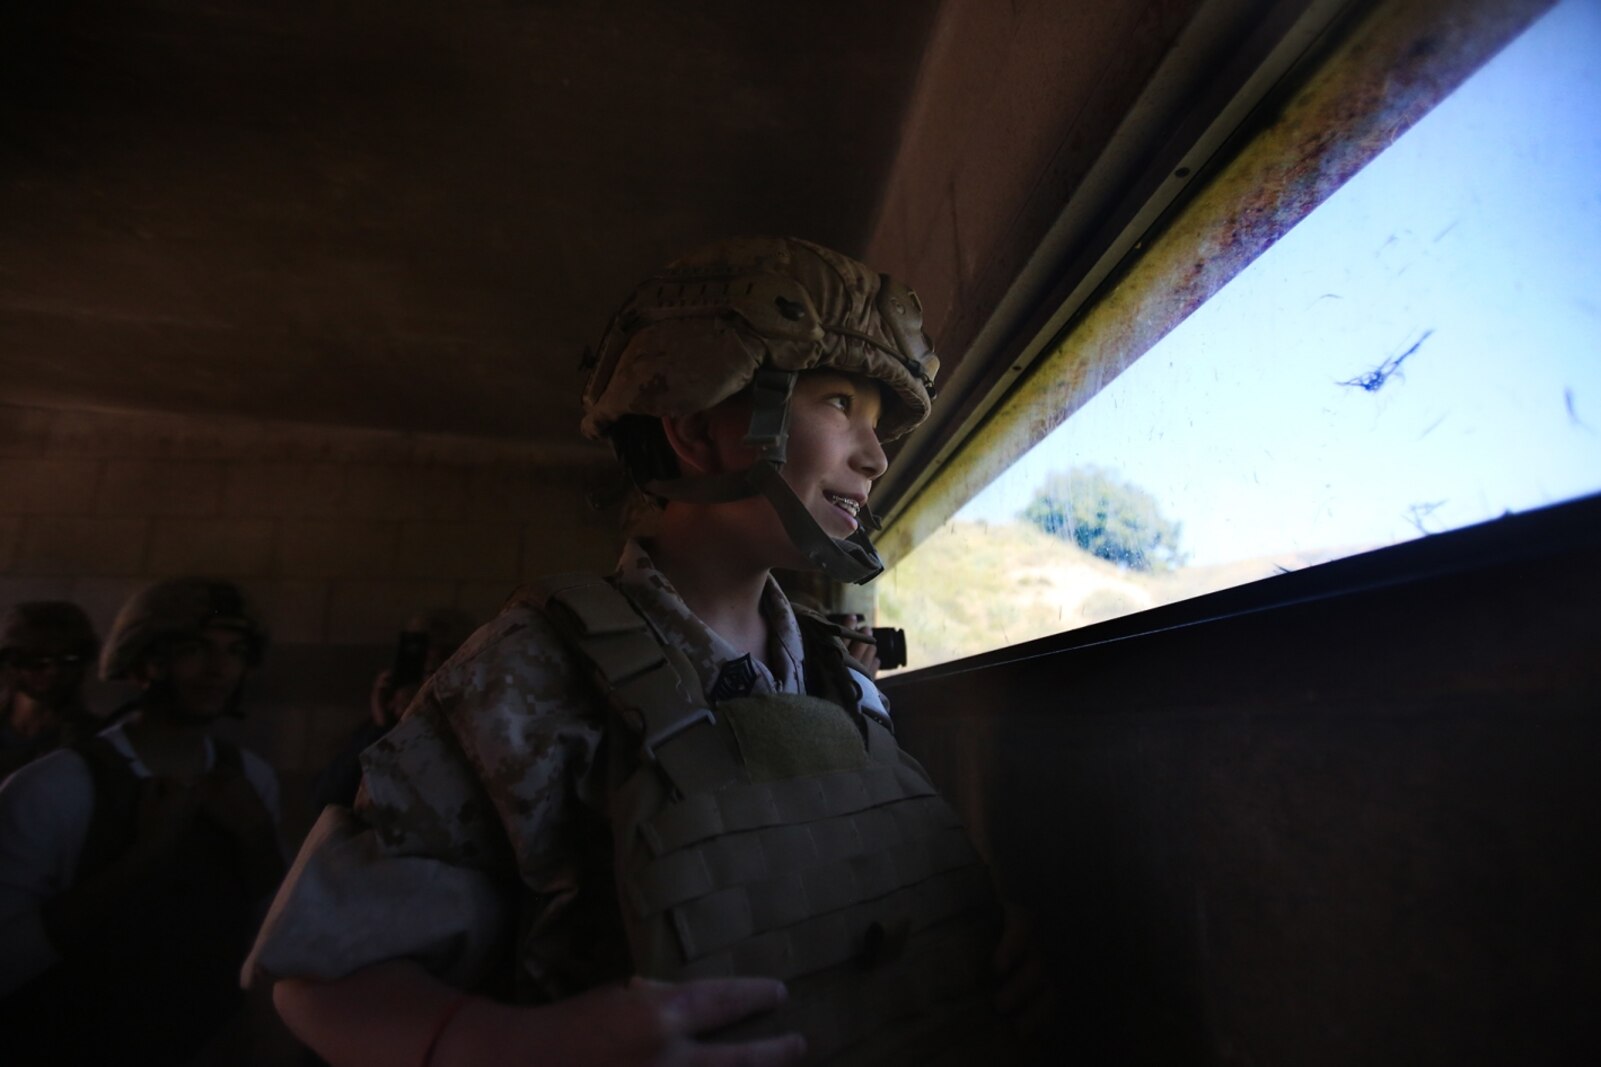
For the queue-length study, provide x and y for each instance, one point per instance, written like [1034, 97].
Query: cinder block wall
[338, 534]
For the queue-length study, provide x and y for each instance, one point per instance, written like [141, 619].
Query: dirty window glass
[1421, 353]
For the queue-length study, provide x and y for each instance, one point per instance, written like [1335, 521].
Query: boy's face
[834, 454]
[833, 458]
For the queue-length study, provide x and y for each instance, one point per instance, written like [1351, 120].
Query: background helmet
[47, 624]
[176, 609]
[753, 312]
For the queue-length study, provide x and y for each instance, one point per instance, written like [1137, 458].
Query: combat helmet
[175, 609]
[753, 312]
[47, 623]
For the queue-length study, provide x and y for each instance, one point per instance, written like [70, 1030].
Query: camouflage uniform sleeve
[459, 828]
[531, 725]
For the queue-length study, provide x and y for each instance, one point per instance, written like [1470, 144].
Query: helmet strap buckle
[850, 560]
[769, 413]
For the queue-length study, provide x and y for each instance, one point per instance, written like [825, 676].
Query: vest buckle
[650, 741]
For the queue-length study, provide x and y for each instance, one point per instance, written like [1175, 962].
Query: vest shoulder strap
[116, 804]
[648, 684]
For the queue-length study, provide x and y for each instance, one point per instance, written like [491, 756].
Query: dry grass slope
[977, 586]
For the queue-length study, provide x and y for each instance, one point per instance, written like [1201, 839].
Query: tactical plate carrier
[787, 836]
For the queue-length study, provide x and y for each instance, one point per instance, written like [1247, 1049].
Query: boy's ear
[690, 438]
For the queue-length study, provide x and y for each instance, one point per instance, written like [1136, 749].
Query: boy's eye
[841, 401]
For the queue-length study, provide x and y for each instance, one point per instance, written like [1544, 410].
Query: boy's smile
[848, 504]
[834, 455]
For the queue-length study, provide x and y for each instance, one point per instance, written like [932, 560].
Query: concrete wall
[338, 534]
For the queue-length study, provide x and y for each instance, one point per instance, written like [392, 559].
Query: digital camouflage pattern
[483, 812]
[695, 333]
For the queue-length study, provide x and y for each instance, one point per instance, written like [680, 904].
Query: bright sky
[1479, 233]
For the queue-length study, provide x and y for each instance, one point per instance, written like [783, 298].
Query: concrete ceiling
[405, 215]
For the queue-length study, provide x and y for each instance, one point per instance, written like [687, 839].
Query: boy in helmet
[45, 647]
[133, 864]
[638, 811]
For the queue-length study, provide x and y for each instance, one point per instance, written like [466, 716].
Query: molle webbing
[772, 875]
[791, 899]
[859, 888]
[799, 800]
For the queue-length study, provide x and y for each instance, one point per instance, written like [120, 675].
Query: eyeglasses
[39, 661]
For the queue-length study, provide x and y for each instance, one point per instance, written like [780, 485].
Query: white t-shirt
[45, 810]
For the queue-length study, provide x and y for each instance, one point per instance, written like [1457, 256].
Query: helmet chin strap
[852, 559]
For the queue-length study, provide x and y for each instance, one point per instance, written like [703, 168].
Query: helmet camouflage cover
[753, 312]
[696, 332]
[176, 608]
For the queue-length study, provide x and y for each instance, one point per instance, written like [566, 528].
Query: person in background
[134, 864]
[427, 642]
[45, 648]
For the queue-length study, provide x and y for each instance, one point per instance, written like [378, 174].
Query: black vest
[158, 981]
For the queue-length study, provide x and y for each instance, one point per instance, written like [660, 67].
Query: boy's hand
[643, 1023]
[1022, 993]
